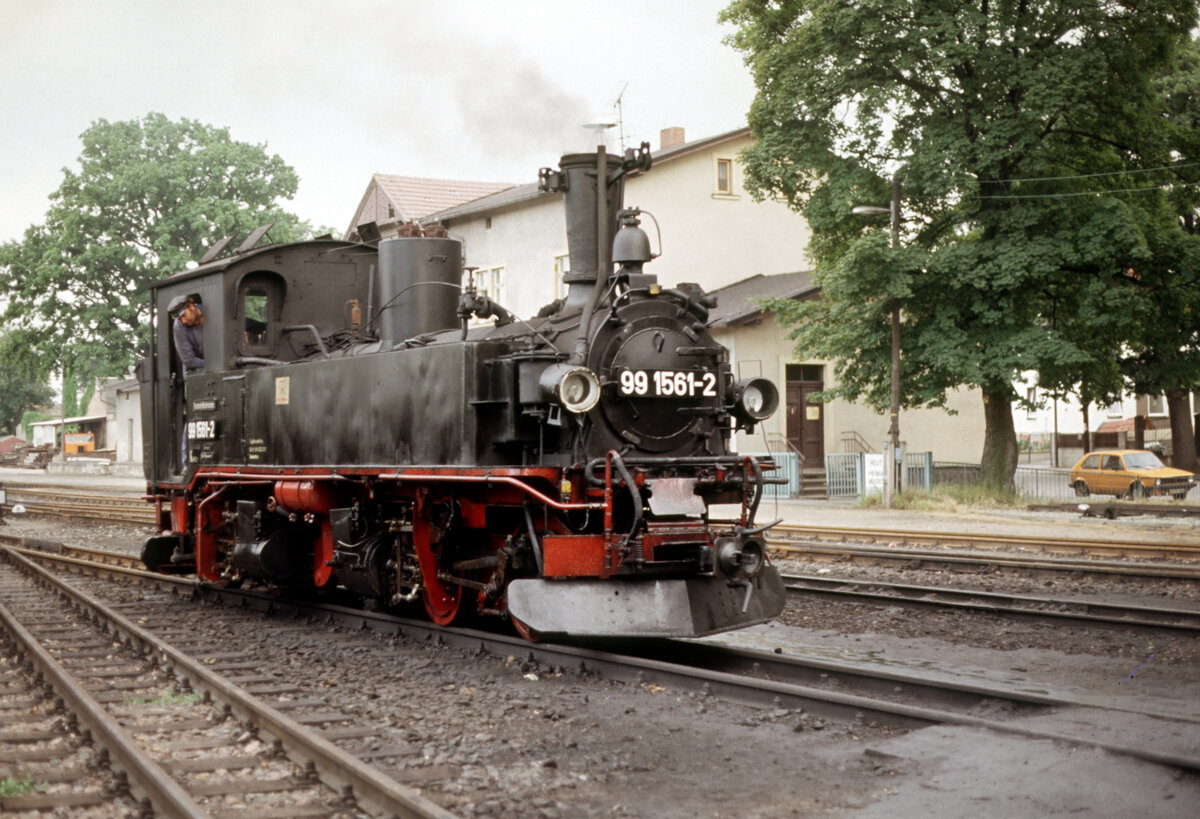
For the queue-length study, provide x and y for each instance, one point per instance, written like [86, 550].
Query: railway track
[786, 535]
[164, 721]
[72, 504]
[1038, 607]
[968, 562]
[824, 690]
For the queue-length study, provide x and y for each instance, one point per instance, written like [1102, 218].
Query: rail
[853, 442]
[815, 686]
[333, 766]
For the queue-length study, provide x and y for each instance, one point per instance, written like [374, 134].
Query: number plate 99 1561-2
[668, 383]
[200, 430]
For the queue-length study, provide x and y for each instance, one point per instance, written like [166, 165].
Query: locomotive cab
[265, 307]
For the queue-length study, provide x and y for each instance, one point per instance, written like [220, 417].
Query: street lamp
[891, 472]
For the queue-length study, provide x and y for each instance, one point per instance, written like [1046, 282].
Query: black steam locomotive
[357, 426]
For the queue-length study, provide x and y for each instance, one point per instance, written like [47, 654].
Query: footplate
[690, 607]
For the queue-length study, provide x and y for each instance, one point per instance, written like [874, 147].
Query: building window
[489, 281]
[562, 266]
[487, 223]
[1114, 409]
[805, 372]
[1031, 397]
[1156, 405]
[725, 177]
[391, 212]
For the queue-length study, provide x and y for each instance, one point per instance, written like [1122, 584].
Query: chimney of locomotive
[578, 181]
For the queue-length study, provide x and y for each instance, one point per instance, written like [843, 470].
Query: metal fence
[846, 476]
[846, 472]
[788, 467]
[1031, 482]
[843, 474]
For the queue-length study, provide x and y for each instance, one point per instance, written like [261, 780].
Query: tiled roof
[416, 197]
[491, 203]
[685, 148]
[736, 303]
[1127, 425]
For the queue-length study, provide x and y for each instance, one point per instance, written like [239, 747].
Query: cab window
[256, 316]
[1112, 462]
[259, 305]
[1091, 462]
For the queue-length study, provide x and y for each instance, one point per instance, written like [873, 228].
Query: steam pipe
[580, 353]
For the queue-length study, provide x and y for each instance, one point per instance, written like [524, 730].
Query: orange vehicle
[1134, 473]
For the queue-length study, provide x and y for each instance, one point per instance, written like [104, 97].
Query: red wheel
[525, 631]
[443, 604]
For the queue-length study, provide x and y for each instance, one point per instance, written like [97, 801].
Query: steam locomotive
[365, 421]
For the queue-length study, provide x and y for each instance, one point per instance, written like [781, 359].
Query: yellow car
[1136, 473]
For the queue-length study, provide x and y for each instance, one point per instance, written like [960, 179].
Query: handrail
[776, 440]
[855, 440]
[297, 328]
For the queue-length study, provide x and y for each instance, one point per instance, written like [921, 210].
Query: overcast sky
[486, 90]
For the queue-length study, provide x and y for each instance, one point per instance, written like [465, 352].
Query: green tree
[148, 197]
[1164, 355]
[22, 385]
[989, 113]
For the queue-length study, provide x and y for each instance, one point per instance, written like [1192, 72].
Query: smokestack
[583, 219]
[670, 137]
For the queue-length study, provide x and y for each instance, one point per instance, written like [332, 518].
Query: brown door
[794, 429]
[806, 421]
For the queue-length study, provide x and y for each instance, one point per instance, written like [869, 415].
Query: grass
[19, 787]
[169, 698]
[950, 498]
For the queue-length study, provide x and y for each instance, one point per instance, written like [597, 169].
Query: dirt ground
[502, 737]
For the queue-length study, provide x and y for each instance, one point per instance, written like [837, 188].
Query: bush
[949, 498]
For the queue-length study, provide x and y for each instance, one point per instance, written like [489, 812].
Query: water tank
[419, 281]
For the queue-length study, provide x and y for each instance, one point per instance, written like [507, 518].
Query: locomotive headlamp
[577, 388]
[741, 556]
[755, 399]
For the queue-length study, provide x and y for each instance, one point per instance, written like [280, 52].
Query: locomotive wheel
[443, 604]
[525, 631]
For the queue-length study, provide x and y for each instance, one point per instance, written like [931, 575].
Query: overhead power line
[1096, 175]
[1081, 193]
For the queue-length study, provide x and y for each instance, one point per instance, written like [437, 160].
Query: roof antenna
[620, 117]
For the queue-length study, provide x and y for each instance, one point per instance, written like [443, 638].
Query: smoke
[503, 103]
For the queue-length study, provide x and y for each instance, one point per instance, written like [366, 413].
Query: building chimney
[670, 137]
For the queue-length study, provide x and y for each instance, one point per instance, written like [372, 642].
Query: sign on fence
[872, 472]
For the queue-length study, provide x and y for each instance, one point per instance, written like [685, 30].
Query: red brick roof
[10, 442]
[416, 197]
[1126, 425]
[393, 199]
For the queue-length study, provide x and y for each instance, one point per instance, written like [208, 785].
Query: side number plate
[201, 430]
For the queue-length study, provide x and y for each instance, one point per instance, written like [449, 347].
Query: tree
[1164, 354]
[994, 115]
[21, 387]
[148, 197]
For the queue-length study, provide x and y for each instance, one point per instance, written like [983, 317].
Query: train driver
[188, 331]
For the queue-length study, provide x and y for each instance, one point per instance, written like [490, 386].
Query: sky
[486, 90]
